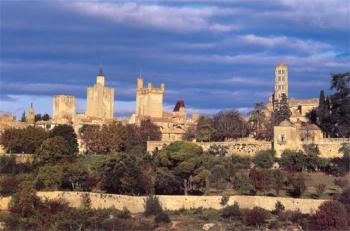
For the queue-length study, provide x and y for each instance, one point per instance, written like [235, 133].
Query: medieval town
[239, 118]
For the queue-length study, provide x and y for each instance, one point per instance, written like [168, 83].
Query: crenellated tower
[281, 82]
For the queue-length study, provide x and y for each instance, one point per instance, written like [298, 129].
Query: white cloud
[170, 18]
[284, 41]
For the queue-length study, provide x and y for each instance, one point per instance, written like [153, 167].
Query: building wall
[149, 101]
[135, 204]
[281, 81]
[100, 100]
[63, 106]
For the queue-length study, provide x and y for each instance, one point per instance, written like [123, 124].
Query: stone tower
[63, 107]
[149, 101]
[31, 115]
[100, 99]
[281, 81]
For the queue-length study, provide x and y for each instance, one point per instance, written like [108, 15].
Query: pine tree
[23, 117]
[282, 112]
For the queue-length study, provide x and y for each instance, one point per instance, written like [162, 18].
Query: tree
[264, 159]
[258, 122]
[331, 215]
[298, 185]
[205, 129]
[293, 160]
[243, 185]
[256, 216]
[229, 125]
[262, 179]
[123, 174]
[282, 111]
[25, 200]
[340, 105]
[312, 160]
[23, 117]
[68, 133]
[54, 150]
[48, 177]
[167, 183]
[278, 180]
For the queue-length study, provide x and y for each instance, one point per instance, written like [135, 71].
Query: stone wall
[329, 147]
[20, 158]
[244, 147]
[136, 203]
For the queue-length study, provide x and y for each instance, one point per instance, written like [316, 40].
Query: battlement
[150, 89]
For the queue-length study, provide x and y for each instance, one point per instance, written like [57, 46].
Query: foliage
[162, 218]
[167, 183]
[279, 208]
[262, 179]
[229, 125]
[48, 177]
[23, 117]
[44, 117]
[205, 129]
[224, 200]
[278, 181]
[331, 215]
[127, 174]
[152, 206]
[259, 122]
[242, 184]
[293, 160]
[320, 189]
[7, 164]
[184, 161]
[298, 186]
[75, 178]
[231, 211]
[25, 140]
[68, 133]
[312, 160]
[8, 185]
[264, 159]
[282, 111]
[24, 200]
[54, 150]
[256, 216]
[342, 182]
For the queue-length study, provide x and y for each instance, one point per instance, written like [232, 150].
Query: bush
[8, 164]
[293, 160]
[242, 184]
[320, 189]
[342, 182]
[162, 218]
[224, 200]
[279, 208]
[256, 216]
[48, 177]
[231, 211]
[8, 185]
[264, 159]
[331, 215]
[152, 206]
[298, 185]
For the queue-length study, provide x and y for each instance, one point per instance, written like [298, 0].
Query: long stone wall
[135, 204]
[244, 147]
[329, 147]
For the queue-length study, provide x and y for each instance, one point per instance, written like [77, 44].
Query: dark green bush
[152, 206]
[256, 216]
[162, 218]
[264, 159]
[231, 212]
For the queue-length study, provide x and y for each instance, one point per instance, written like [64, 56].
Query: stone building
[63, 107]
[100, 99]
[149, 101]
[31, 115]
[149, 105]
[298, 107]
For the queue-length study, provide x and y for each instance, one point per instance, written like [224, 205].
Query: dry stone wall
[135, 204]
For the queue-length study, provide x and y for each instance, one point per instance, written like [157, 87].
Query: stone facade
[281, 81]
[149, 101]
[63, 107]
[242, 147]
[31, 115]
[100, 99]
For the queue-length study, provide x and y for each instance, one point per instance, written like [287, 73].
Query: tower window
[283, 78]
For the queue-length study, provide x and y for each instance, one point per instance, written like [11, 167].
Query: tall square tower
[281, 81]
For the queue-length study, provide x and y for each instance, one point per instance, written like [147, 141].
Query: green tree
[49, 177]
[293, 160]
[54, 150]
[204, 130]
[312, 160]
[25, 200]
[264, 159]
[278, 181]
[23, 117]
[282, 111]
[243, 185]
[68, 133]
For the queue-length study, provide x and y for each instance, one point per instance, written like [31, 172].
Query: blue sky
[213, 54]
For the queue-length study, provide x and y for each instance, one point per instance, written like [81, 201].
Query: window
[283, 78]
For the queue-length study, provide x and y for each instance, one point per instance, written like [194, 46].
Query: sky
[214, 55]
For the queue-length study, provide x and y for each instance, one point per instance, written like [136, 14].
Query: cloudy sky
[213, 54]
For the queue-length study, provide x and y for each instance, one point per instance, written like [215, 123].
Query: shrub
[298, 185]
[279, 208]
[162, 218]
[320, 189]
[8, 185]
[331, 215]
[48, 177]
[85, 201]
[7, 164]
[242, 184]
[262, 179]
[152, 206]
[293, 160]
[224, 200]
[264, 159]
[342, 182]
[256, 216]
[231, 211]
